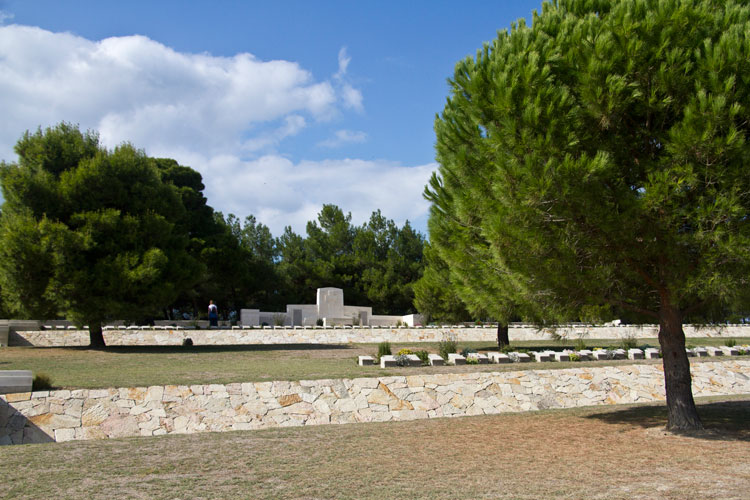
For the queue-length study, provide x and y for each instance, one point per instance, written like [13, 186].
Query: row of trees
[92, 234]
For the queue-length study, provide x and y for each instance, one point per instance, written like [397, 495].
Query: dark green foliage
[187, 342]
[89, 233]
[730, 342]
[375, 264]
[594, 165]
[466, 351]
[384, 349]
[41, 382]
[423, 357]
[435, 295]
[446, 347]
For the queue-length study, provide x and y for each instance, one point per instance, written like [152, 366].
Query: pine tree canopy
[594, 163]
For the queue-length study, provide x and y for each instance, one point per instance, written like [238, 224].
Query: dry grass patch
[598, 453]
[74, 367]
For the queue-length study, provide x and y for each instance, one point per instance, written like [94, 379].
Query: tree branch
[641, 310]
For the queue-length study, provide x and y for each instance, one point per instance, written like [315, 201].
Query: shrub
[507, 349]
[580, 345]
[473, 360]
[447, 347]
[423, 356]
[41, 382]
[402, 360]
[278, 319]
[730, 342]
[187, 342]
[513, 356]
[384, 349]
[319, 322]
[574, 357]
[405, 351]
[466, 351]
[628, 342]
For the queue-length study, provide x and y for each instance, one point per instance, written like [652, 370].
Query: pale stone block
[700, 352]
[621, 354]
[714, 351]
[522, 357]
[365, 360]
[599, 355]
[481, 357]
[651, 353]
[64, 435]
[635, 354]
[456, 359]
[562, 356]
[414, 360]
[498, 357]
[730, 351]
[585, 354]
[435, 360]
[541, 356]
[387, 361]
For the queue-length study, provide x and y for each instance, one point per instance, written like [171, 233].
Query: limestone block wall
[345, 335]
[148, 411]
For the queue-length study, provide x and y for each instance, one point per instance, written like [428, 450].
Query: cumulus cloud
[282, 193]
[136, 89]
[224, 116]
[342, 137]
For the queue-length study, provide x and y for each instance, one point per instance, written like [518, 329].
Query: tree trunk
[96, 337]
[502, 335]
[681, 411]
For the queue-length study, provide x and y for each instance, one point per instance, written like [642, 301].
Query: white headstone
[330, 302]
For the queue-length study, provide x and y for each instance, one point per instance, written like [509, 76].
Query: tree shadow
[722, 420]
[212, 348]
[16, 428]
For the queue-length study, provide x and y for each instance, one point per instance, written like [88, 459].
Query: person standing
[213, 314]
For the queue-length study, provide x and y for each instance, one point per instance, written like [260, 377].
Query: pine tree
[596, 161]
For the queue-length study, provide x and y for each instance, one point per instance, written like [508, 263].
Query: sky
[281, 106]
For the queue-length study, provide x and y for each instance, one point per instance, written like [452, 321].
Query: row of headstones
[542, 356]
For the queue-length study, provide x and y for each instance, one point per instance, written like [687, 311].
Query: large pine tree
[596, 161]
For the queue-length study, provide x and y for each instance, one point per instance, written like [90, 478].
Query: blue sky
[282, 106]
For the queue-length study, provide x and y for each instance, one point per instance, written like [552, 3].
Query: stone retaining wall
[308, 335]
[145, 411]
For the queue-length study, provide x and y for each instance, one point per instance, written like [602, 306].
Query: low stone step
[15, 381]
[365, 360]
[562, 356]
[635, 354]
[435, 360]
[498, 357]
[651, 353]
[456, 359]
[387, 361]
[541, 357]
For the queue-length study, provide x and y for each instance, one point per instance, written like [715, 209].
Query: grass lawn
[73, 367]
[595, 453]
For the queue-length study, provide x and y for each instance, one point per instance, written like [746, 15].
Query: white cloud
[136, 89]
[342, 137]
[350, 97]
[282, 193]
[223, 116]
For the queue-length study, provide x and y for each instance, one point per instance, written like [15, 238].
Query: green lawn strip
[526, 455]
[143, 366]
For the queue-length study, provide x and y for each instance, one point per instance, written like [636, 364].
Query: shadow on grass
[210, 348]
[722, 421]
